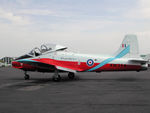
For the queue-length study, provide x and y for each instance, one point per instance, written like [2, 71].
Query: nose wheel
[26, 76]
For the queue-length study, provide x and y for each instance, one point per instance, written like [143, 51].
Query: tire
[57, 79]
[26, 77]
[71, 75]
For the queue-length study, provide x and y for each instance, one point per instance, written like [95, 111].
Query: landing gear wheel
[56, 79]
[26, 77]
[71, 75]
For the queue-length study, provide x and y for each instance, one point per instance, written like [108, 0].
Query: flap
[65, 69]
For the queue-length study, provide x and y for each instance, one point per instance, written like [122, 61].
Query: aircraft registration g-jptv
[56, 58]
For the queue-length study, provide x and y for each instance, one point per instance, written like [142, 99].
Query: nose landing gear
[26, 76]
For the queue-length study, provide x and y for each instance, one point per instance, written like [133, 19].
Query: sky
[84, 26]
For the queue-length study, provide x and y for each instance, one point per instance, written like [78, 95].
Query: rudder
[131, 42]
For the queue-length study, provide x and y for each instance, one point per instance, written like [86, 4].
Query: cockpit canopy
[52, 47]
[45, 48]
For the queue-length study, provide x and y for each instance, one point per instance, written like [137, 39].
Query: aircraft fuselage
[80, 62]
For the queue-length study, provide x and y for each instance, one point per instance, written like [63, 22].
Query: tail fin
[129, 47]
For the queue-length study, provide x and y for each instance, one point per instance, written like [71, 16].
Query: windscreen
[35, 52]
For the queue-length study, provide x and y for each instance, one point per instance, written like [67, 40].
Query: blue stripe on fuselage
[121, 54]
[26, 60]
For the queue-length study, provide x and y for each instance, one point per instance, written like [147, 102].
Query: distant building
[7, 60]
[2, 64]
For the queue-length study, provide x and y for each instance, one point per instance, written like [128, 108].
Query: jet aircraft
[56, 58]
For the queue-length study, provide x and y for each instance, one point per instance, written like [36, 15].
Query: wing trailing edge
[65, 69]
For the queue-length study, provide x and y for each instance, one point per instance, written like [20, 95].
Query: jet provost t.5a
[56, 58]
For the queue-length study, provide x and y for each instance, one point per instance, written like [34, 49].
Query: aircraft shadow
[77, 78]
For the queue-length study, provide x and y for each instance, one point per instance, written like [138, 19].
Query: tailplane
[146, 57]
[129, 47]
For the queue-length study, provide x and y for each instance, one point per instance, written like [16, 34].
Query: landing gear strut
[26, 76]
[56, 76]
[71, 75]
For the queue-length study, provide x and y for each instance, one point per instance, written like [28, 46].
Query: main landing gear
[57, 77]
[26, 76]
[71, 75]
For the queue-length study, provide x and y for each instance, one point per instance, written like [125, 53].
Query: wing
[68, 66]
[49, 64]
[36, 63]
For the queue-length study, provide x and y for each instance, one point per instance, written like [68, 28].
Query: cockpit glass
[44, 48]
[47, 47]
[36, 51]
[31, 53]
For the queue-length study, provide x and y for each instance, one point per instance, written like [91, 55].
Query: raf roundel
[90, 62]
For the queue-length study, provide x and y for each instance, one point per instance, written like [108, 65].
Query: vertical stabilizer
[130, 42]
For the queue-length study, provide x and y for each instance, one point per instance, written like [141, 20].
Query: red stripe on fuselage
[110, 67]
[23, 66]
[82, 66]
[119, 67]
[66, 64]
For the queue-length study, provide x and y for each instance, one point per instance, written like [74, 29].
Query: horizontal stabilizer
[147, 57]
[138, 60]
